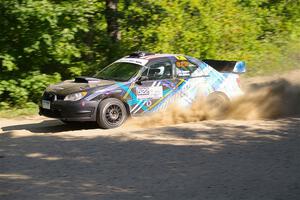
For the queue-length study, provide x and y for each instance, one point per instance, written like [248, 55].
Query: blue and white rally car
[141, 83]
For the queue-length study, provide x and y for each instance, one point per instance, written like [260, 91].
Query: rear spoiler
[224, 66]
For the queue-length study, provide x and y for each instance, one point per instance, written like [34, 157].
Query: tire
[218, 101]
[111, 113]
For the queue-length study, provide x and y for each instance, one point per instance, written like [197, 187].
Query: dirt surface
[41, 158]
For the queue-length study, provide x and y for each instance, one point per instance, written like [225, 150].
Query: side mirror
[141, 79]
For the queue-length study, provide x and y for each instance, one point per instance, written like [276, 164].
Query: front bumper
[71, 111]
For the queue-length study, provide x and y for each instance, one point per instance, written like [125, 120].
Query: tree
[111, 15]
[43, 41]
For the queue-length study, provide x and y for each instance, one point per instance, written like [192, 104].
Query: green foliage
[28, 87]
[7, 63]
[35, 83]
[8, 112]
[44, 41]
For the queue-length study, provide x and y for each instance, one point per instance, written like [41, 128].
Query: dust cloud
[265, 98]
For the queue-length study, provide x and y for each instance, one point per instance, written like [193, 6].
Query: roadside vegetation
[30, 109]
[45, 41]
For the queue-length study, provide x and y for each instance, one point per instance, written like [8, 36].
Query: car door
[152, 93]
[190, 80]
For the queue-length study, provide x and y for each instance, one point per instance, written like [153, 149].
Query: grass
[19, 112]
[270, 71]
[275, 61]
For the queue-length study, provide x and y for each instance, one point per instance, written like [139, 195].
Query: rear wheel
[111, 113]
[218, 101]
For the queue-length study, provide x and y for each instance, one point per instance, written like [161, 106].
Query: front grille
[50, 96]
[50, 113]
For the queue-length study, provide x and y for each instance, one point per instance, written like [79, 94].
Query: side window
[184, 68]
[159, 70]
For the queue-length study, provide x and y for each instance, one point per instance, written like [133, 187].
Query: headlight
[75, 96]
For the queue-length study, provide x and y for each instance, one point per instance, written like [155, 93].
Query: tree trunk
[112, 20]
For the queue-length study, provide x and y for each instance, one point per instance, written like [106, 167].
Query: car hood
[79, 84]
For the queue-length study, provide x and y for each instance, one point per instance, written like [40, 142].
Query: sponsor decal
[182, 63]
[154, 92]
[138, 61]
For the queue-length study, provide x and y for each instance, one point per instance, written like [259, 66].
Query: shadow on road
[51, 126]
[212, 161]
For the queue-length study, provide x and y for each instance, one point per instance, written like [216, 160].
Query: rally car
[141, 83]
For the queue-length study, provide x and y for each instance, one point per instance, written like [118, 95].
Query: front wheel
[111, 113]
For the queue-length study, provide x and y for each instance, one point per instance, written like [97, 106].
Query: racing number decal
[142, 93]
[155, 92]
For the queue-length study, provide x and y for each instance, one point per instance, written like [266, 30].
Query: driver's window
[159, 70]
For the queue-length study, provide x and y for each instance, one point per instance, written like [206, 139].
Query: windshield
[119, 71]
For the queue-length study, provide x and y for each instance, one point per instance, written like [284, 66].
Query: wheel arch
[114, 96]
[219, 93]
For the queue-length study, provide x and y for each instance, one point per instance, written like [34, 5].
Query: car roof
[143, 57]
[154, 56]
